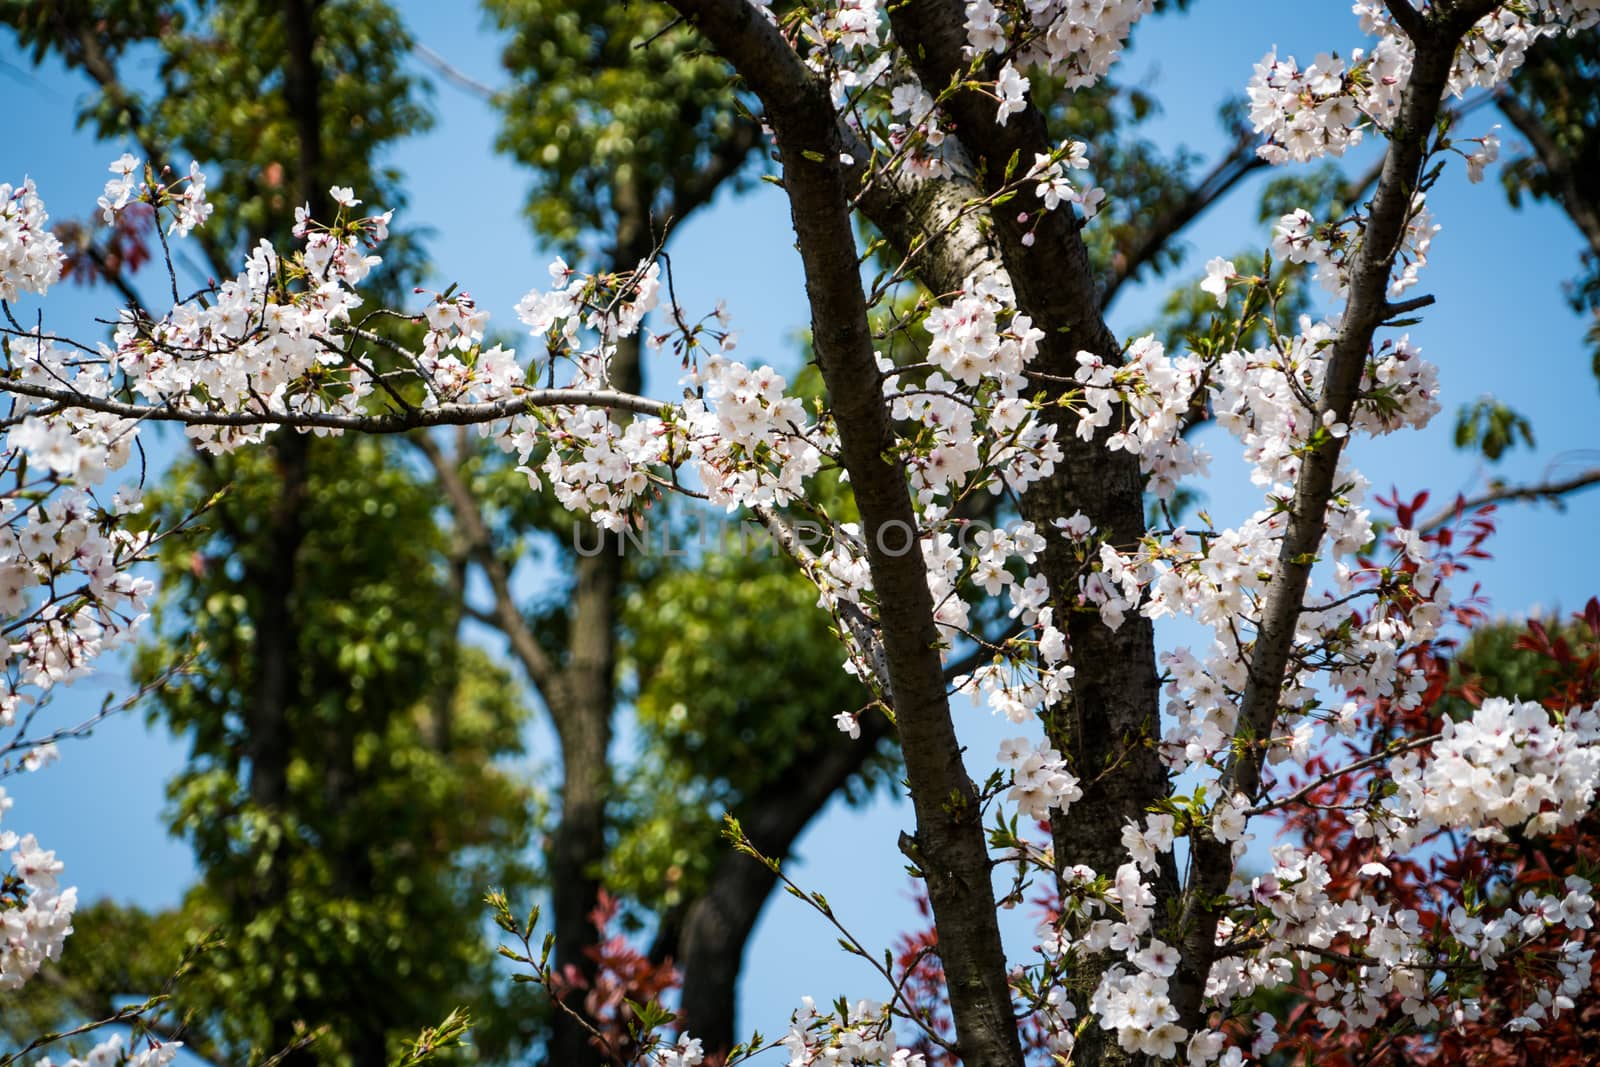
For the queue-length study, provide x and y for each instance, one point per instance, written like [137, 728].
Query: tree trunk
[276, 666]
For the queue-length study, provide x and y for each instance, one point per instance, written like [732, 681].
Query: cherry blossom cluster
[1077, 40]
[453, 363]
[1320, 110]
[746, 442]
[1289, 909]
[1299, 238]
[1118, 915]
[752, 444]
[35, 912]
[1053, 187]
[30, 255]
[1512, 931]
[851, 24]
[111, 1053]
[863, 1036]
[1361, 950]
[1026, 671]
[185, 197]
[65, 551]
[968, 343]
[919, 144]
[1364, 956]
[1510, 766]
[1216, 577]
[64, 579]
[958, 458]
[1358, 631]
[596, 465]
[1356, 951]
[1024, 675]
[974, 431]
[686, 1052]
[1133, 1005]
[1265, 398]
[264, 341]
[1323, 109]
[915, 134]
[1497, 45]
[77, 445]
[975, 339]
[1040, 781]
[66, 588]
[840, 41]
[1152, 398]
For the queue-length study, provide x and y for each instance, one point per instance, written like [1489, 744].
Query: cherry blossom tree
[1491, 886]
[1532, 877]
[996, 375]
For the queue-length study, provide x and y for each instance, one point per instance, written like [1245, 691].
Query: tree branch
[1211, 861]
[696, 188]
[453, 414]
[451, 73]
[1408, 18]
[1557, 166]
[1333, 776]
[950, 848]
[1553, 491]
[1365, 311]
[507, 617]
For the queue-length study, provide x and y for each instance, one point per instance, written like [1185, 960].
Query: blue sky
[1501, 326]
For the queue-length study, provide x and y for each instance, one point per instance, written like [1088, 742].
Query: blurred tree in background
[343, 795]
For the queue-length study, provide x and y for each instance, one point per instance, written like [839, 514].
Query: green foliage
[224, 99]
[398, 809]
[1558, 91]
[709, 740]
[433, 1040]
[1491, 427]
[612, 101]
[350, 898]
[1496, 667]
